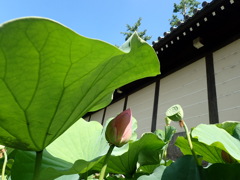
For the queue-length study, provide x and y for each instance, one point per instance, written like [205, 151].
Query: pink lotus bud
[119, 130]
[2, 149]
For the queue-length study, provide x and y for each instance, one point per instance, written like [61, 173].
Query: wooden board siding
[141, 104]
[227, 77]
[187, 87]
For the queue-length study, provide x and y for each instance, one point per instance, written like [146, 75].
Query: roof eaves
[176, 32]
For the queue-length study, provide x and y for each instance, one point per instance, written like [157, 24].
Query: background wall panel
[97, 116]
[141, 104]
[87, 118]
[114, 109]
[187, 87]
[227, 76]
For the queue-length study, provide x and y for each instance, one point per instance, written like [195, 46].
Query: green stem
[38, 163]
[190, 143]
[166, 146]
[165, 156]
[4, 164]
[103, 170]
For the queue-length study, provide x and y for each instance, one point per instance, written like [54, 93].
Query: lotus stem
[4, 164]
[38, 163]
[190, 142]
[103, 170]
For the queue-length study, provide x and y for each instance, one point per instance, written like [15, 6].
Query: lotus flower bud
[119, 129]
[175, 113]
[2, 149]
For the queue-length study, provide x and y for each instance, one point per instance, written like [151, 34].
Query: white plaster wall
[141, 104]
[227, 76]
[87, 118]
[114, 109]
[187, 87]
[97, 116]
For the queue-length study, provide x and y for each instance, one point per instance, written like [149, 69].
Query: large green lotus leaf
[83, 140]
[210, 154]
[51, 167]
[23, 167]
[222, 172]
[68, 177]
[228, 126]
[156, 175]
[232, 127]
[50, 77]
[76, 151]
[185, 168]
[213, 136]
[236, 132]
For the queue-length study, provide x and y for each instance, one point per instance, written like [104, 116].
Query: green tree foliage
[135, 27]
[182, 10]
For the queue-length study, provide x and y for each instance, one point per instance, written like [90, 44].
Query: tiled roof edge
[199, 14]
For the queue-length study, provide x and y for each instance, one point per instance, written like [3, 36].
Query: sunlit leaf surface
[50, 77]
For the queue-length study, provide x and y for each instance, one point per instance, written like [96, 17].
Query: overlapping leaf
[76, 151]
[156, 175]
[82, 148]
[185, 168]
[210, 154]
[222, 171]
[211, 140]
[213, 136]
[50, 77]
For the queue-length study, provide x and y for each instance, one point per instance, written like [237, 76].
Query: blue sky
[99, 19]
